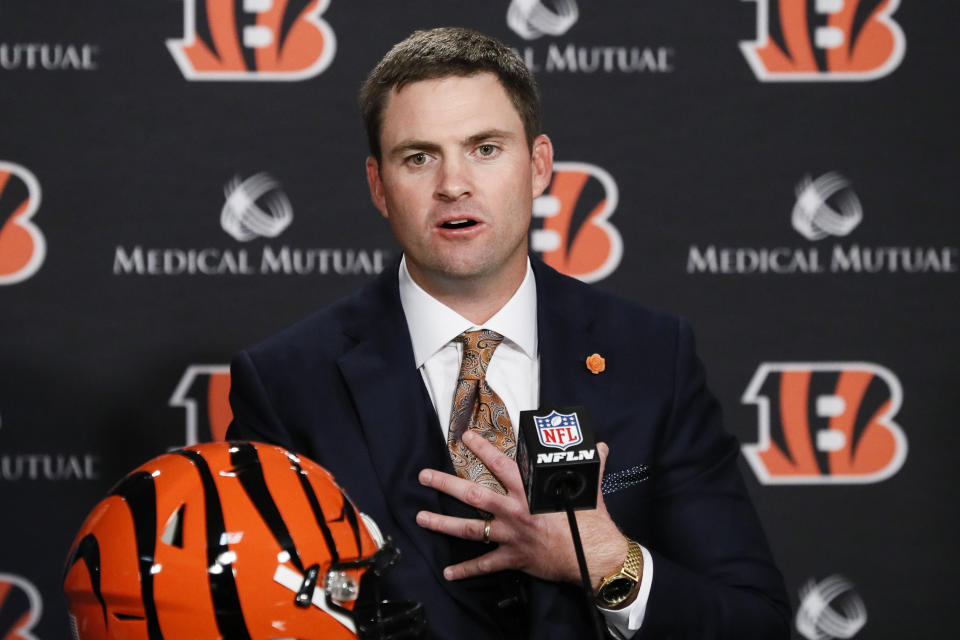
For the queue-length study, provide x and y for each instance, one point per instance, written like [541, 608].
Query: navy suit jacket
[341, 387]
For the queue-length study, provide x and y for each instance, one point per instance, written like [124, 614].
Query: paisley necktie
[477, 407]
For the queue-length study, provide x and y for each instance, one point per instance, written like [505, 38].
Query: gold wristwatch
[620, 588]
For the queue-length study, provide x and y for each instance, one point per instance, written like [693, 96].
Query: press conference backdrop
[180, 179]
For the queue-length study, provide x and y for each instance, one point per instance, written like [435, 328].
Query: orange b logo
[253, 40]
[22, 245]
[825, 423]
[825, 40]
[204, 393]
[21, 605]
[577, 238]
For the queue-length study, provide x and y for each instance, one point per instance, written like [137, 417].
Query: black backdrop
[825, 310]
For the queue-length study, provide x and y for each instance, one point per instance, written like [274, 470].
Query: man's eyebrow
[406, 146]
[413, 145]
[489, 134]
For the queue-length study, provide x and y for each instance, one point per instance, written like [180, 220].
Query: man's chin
[467, 267]
[462, 271]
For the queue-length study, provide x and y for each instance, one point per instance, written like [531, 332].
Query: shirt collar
[432, 324]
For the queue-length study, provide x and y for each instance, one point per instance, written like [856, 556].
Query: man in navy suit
[365, 388]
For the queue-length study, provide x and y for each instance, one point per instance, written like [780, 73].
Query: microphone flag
[558, 458]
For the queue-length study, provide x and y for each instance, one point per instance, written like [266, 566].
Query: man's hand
[539, 545]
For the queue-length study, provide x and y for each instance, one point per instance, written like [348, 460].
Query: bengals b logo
[20, 607]
[204, 392]
[22, 245]
[825, 423]
[821, 40]
[253, 40]
[577, 238]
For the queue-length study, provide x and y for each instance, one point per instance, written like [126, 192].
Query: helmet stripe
[317, 510]
[351, 513]
[88, 550]
[247, 467]
[223, 587]
[140, 494]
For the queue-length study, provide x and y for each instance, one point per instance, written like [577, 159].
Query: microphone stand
[564, 489]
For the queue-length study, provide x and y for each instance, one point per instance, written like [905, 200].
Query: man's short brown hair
[444, 52]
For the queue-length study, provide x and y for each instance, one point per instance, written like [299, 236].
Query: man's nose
[453, 179]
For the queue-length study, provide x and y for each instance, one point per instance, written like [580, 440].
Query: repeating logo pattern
[827, 206]
[22, 245]
[20, 605]
[577, 237]
[531, 19]
[253, 40]
[48, 56]
[830, 609]
[815, 216]
[204, 393]
[255, 207]
[825, 40]
[825, 423]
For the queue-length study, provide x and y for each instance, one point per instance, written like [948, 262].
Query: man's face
[457, 180]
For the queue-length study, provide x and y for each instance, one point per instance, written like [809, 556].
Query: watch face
[617, 590]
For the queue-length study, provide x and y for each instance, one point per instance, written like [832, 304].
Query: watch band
[627, 574]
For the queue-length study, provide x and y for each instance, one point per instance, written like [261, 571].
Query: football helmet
[231, 541]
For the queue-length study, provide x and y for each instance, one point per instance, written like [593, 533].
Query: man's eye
[418, 159]
[486, 150]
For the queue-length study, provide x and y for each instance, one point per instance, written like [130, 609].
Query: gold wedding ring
[486, 532]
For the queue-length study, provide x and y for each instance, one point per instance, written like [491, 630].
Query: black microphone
[560, 466]
[558, 459]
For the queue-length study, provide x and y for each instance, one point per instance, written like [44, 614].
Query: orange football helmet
[231, 541]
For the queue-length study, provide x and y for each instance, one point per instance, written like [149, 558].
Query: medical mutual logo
[48, 56]
[22, 244]
[574, 234]
[825, 207]
[18, 467]
[253, 40]
[538, 20]
[254, 208]
[825, 423]
[814, 215]
[531, 19]
[830, 609]
[825, 40]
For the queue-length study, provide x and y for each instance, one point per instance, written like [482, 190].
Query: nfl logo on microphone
[558, 430]
[557, 448]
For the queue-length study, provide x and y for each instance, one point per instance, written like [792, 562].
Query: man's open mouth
[459, 224]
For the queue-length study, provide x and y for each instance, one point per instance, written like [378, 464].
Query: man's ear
[542, 163]
[376, 186]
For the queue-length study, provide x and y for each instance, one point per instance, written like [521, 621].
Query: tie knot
[478, 348]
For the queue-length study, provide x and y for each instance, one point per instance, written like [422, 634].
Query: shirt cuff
[623, 623]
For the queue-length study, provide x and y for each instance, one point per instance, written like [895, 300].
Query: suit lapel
[566, 337]
[401, 428]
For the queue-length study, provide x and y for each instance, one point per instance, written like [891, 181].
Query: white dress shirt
[513, 372]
